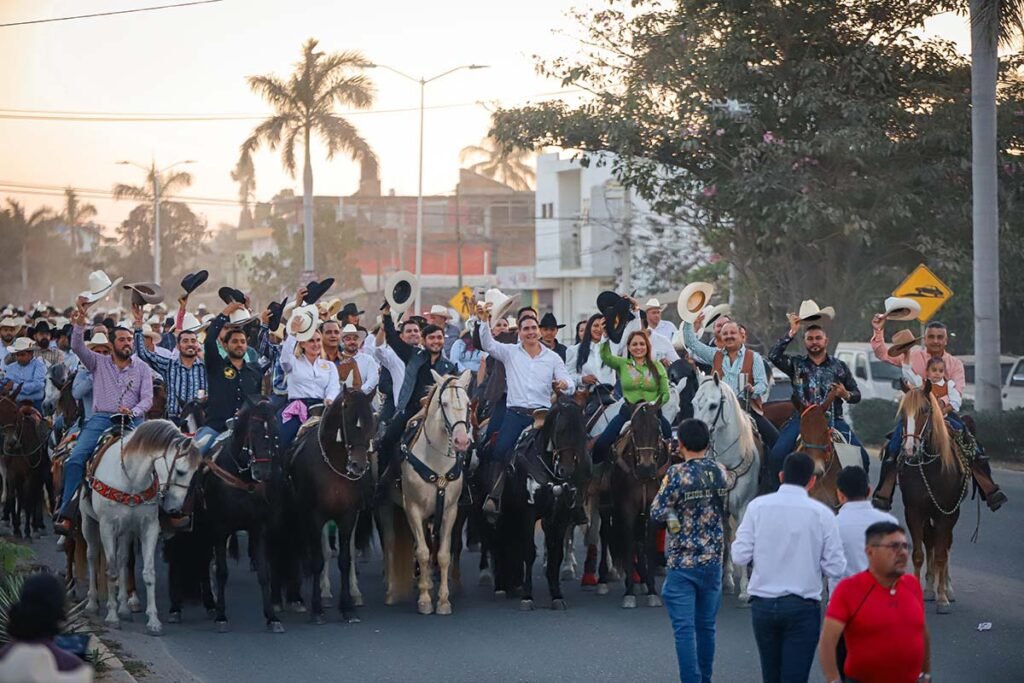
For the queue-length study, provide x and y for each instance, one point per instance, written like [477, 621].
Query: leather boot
[493, 502]
[990, 491]
[882, 498]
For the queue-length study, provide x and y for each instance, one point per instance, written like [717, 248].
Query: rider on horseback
[122, 385]
[813, 377]
[184, 376]
[919, 359]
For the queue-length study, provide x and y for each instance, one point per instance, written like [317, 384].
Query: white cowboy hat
[99, 286]
[499, 303]
[654, 303]
[329, 308]
[400, 291]
[98, 339]
[352, 329]
[309, 319]
[148, 331]
[810, 312]
[11, 321]
[190, 323]
[512, 324]
[239, 318]
[21, 344]
[711, 314]
[437, 309]
[901, 308]
[693, 299]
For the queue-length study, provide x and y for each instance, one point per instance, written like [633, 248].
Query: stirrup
[881, 503]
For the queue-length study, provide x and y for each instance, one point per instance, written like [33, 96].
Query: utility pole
[156, 226]
[458, 234]
[627, 237]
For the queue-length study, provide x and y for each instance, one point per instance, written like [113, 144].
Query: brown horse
[933, 481]
[816, 441]
[779, 412]
[25, 459]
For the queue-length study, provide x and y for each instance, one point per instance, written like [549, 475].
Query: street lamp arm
[393, 70]
[458, 68]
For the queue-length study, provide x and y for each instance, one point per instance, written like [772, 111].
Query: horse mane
[743, 423]
[917, 402]
[150, 436]
[574, 429]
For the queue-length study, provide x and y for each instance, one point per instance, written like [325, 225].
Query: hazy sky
[194, 61]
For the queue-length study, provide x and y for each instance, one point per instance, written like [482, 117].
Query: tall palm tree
[29, 227]
[75, 216]
[170, 182]
[303, 107]
[993, 22]
[245, 175]
[508, 167]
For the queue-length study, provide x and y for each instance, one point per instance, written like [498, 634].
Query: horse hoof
[525, 605]
[351, 619]
[92, 606]
[390, 600]
[156, 630]
[112, 623]
[275, 627]
[929, 595]
[125, 615]
[296, 607]
[134, 604]
[602, 589]
[559, 605]
[943, 608]
[357, 600]
[567, 574]
[174, 618]
[629, 602]
[444, 609]
[744, 599]
[653, 600]
[486, 578]
[319, 619]
[211, 614]
[326, 595]
[425, 607]
[222, 627]
[500, 594]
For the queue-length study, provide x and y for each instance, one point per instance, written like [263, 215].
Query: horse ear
[717, 379]
[465, 378]
[437, 378]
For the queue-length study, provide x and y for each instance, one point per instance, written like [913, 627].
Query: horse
[329, 473]
[550, 473]
[432, 481]
[241, 489]
[155, 464]
[25, 459]
[817, 441]
[734, 446]
[193, 416]
[933, 480]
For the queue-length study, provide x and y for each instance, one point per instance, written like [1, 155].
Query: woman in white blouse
[583, 361]
[311, 381]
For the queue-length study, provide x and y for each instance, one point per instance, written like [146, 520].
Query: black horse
[549, 476]
[241, 489]
[329, 472]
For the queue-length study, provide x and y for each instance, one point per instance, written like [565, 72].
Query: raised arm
[878, 344]
[492, 347]
[88, 357]
[616, 363]
[705, 353]
[157, 362]
[778, 356]
[395, 341]
[288, 354]
[211, 354]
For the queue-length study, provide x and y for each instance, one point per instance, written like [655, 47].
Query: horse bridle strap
[233, 481]
[440, 482]
[129, 499]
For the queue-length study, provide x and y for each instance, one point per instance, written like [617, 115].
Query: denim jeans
[204, 432]
[604, 443]
[692, 597]
[74, 466]
[786, 630]
[790, 434]
[512, 427]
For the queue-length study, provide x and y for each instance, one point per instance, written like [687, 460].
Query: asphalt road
[489, 639]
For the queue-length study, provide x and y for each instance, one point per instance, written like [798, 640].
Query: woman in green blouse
[642, 379]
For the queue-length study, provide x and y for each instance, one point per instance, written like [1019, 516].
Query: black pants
[388, 449]
[769, 434]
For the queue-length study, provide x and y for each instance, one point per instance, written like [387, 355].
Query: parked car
[1012, 370]
[875, 378]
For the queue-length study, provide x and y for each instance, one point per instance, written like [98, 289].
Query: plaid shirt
[181, 382]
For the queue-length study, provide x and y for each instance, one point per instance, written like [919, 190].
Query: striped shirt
[114, 387]
[182, 382]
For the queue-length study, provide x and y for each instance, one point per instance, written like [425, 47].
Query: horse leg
[220, 557]
[603, 569]
[424, 605]
[916, 524]
[386, 525]
[259, 553]
[449, 515]
[133, 602]
[150, 536]
[353, 575]
[555, 530]
[108, 536]
[650, 560]
[346, 566]
[568, 567]
[325, 575]
[91, 535]
[486, 554]
[943, 542]
[528, 554]
[629, 560]
[728, 570]
[928, 586]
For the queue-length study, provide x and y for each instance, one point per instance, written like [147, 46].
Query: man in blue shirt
[28, 371]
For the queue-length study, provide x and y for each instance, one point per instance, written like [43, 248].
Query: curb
[114, 670]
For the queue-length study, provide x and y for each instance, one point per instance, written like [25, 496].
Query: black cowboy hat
[549, 321]
[42, 326]
[316, 289]
[418, 319]
[230, 294]
[276, 309]
[145, 293]
[617, 314]
[607, 299]
[349, 309]
[65, 331]
[192, 281]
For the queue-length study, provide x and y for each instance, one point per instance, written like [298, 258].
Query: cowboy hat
[99, 286]
[499, 303]
[190, 323]
[329, 308]
[316, 289]
[192, 281]
[607, 299]
[239, 318]
[148, 331]
[145, 293]
[42, 325]
[653, 303]
[11, 321]
[693, 299]
[308, 318]
[617, 312]
[810, 312]
[901, 308]
[349, 309]
[400, 291]
[276, 309]
[352, 329]
[229, 295]
[437, 309]
[550, 322]
[711, 314]
[21, 344]
[98, 339]
[901, 341]
[512, 324]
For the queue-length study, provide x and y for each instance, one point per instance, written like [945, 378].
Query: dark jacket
[812, 381]
[228, 386]
[418, 379]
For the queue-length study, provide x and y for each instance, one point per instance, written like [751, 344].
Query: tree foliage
[508, 166]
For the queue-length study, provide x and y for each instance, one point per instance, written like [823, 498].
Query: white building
[590, 235]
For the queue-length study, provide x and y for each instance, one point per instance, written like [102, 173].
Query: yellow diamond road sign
[924, 287]
[462, 302]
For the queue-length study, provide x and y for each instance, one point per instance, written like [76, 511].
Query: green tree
[303, 107]
[508, 166]
[30, 232]
[75, 215]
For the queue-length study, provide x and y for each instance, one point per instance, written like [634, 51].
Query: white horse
[138, 476]
[734, 447]
[432, 480]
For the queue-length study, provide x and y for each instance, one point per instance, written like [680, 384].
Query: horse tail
[364, 531]
[404, 555]
[233, 547]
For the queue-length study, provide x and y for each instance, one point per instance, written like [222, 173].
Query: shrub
[873, 418]
[1002, 433]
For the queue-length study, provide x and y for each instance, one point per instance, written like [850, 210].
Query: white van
[1012, 370]
[875, 378]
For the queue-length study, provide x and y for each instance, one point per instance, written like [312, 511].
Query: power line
[109, 14]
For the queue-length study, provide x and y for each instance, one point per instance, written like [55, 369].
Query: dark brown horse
[329, 471]
[933, 482]
[816, 441]
[25, 459]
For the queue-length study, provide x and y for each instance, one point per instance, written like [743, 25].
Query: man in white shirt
[654, 308]
[531, 371]
[792, 540]
[855, 516]
[389, 360]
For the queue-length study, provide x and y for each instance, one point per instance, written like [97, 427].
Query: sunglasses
[895, 546]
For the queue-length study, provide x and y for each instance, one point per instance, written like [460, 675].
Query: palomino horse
[329, 474]
[25, 459]
[155, 464]
[640, 461]
[432, 468]
[551, 470]
[734, 447]
[933, 481]
[817, 441]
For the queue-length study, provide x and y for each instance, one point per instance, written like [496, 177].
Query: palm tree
[303, 108]
[993, 22]
[28, 226]
[510, 167]
[75, 215]
[170, 182]
[245, 175]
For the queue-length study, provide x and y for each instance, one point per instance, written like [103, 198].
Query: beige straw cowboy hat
[693, 299]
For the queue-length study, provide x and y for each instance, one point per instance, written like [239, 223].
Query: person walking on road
[879, 613]
[792, 541]
[856, 514]
[691, 502]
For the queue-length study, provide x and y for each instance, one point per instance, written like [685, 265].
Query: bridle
[557, 453]
[449, 384]
[271, 440]
[345, 442]
[637, 449]
[13, 432]
[919, 457]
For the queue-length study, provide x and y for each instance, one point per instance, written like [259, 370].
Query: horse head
[565, 432]
[452, 394]
[193, 415]
[350, 421]
[176, 468]
[924, 426]
[256, 437]
[710, 402]
[645, 440]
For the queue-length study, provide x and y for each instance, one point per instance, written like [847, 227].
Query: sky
[194, 60]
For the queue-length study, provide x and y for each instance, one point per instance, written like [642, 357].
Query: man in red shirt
[880, 615]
